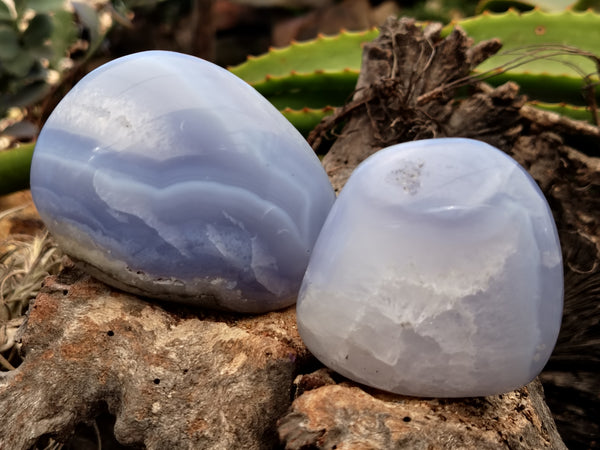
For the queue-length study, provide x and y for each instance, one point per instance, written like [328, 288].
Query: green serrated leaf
[315, 81]
[325, 54]
[297, 100]
[544, 87]
[544, 44]
[564, 109]
[305, 79]
[306, 119]
[307, 90]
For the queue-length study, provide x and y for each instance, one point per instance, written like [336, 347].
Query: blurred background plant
[34, 37]
[40, 42]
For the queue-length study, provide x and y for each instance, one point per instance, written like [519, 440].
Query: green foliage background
[34, 38]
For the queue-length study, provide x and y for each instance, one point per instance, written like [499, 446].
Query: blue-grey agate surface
[167, 176]
[437, 273]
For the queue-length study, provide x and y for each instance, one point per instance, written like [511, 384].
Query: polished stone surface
[168, 176]
[438, 273]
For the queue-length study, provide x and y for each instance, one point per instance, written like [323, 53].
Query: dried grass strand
[25, 261]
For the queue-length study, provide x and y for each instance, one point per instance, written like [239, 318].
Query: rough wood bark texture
[174, 380]
[175, 377]
[347, 417]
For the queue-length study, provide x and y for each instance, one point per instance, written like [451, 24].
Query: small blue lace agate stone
[437, 273]
[167, 176]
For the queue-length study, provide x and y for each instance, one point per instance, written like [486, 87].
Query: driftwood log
[175, 377]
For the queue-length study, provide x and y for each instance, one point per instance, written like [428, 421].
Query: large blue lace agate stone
[437, 273]
[167, 176]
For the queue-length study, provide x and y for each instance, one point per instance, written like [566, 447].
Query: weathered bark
[344, 416]
[173, 379]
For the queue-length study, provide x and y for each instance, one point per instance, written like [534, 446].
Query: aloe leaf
[306, 119]
[543, 45]
[14, 168]
[564, 109]
[312, 90]
[545, 87]
[305, 79]
[323, 54]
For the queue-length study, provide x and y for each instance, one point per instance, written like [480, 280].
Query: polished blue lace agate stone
[167, 176]
[438, 273]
